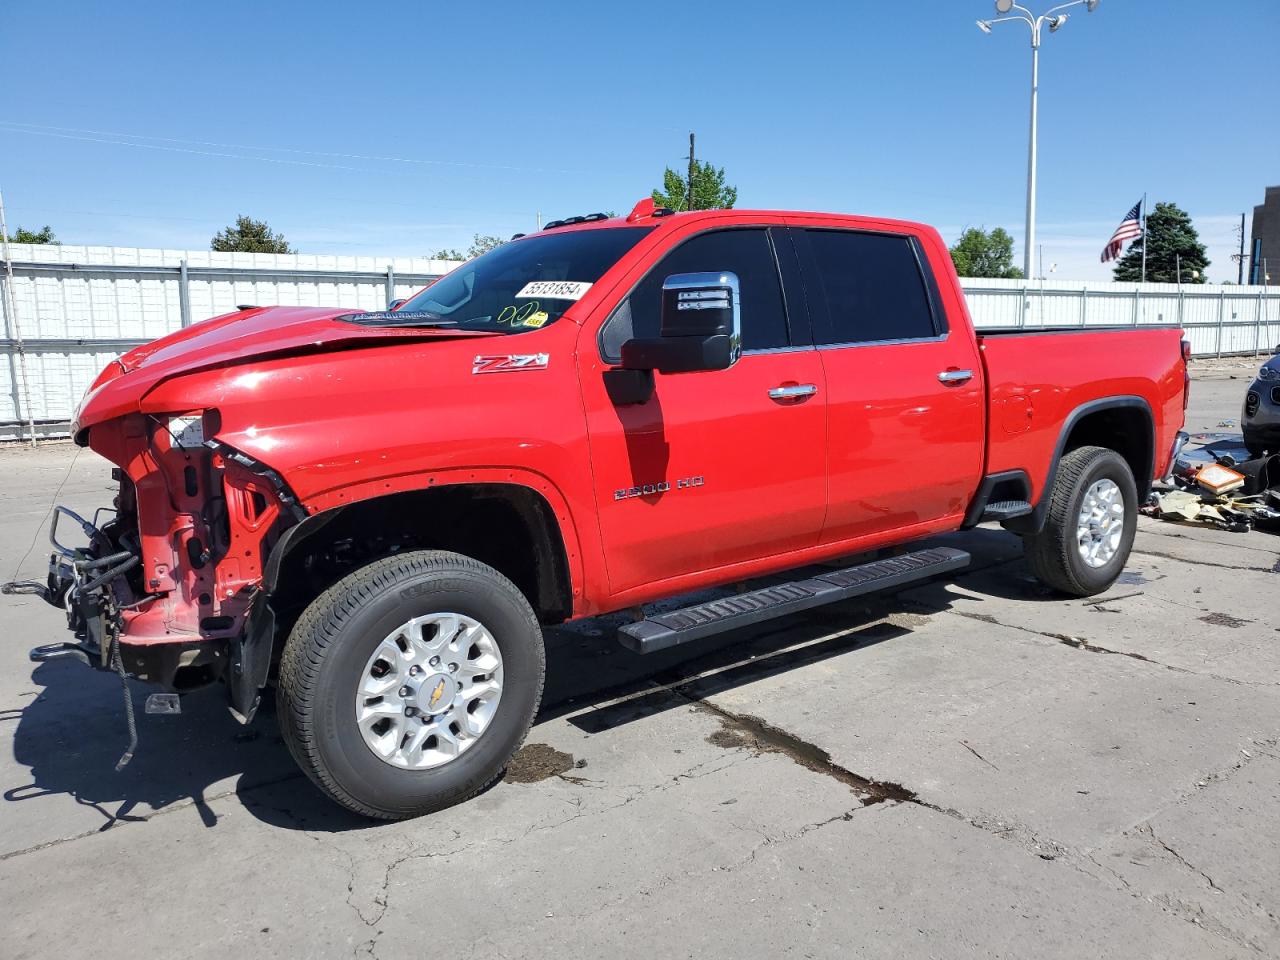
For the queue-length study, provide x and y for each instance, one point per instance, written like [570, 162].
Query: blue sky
[400, 128]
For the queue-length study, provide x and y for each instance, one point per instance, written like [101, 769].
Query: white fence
[1219, 319]
[79, 307]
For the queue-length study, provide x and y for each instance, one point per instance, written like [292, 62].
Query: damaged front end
[167, 585]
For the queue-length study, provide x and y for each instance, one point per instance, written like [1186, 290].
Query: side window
[873, 287]
[747, 252]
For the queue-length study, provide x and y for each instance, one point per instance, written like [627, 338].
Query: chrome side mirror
[700, 327]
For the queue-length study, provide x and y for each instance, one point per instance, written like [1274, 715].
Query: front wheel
[408, 685]
[1092, 519]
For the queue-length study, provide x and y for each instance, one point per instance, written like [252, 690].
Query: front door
[718, 468]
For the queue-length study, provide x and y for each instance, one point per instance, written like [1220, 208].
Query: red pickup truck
[377, 512]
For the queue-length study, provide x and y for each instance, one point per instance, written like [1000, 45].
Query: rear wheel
[407, 686]
[1254, 444]
[1089, 529]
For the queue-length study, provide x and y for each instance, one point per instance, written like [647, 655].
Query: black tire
[1255, 446]
[325, 656]
[1053, 553]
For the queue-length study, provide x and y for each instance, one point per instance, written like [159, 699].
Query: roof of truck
[647, 213]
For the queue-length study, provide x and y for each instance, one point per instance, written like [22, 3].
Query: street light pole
[1054, 19]
[1031, 151]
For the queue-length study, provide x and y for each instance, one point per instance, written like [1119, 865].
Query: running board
[1005, 510]
[716, 616]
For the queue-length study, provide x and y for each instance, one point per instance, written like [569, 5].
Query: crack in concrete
[381, 896]
[1079, 643]
[1205, 563]
[977, 754]
[790, 836]
[1148, 831]
[741, 731]
[177, 805]
[1148, 531]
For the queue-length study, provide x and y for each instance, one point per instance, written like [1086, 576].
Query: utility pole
[692, 166]
[1240, 269]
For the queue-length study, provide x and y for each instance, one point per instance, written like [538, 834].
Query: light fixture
[1009, 11]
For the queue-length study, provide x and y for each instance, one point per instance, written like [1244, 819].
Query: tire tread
[1049, 552]
[319, 628]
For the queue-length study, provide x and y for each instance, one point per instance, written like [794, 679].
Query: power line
[99, 136]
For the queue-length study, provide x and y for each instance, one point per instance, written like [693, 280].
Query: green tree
[981, 254]
[43, 235]
[1170, 238]
[448, 253]
[710, 192]
[249, 236]
[481, 244]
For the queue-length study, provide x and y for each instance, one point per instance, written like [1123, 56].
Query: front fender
[322, 506]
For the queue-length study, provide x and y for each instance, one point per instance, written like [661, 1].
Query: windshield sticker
[517, 315]
[511, 363]
[537, 319]
[554, 289]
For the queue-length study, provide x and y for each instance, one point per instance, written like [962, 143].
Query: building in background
[1265, 246]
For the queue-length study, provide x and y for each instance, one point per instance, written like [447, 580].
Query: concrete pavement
[966, 769]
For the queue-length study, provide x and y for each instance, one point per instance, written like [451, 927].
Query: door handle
[793, 392]
[955, 376]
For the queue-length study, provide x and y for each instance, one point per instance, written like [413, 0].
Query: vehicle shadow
[71, 734]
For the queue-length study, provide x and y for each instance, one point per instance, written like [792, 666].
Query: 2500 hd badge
[662, 486]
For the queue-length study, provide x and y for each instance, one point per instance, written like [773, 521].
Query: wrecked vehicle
[378, 513]
[1260, 419]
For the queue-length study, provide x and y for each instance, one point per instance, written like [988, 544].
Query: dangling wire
[118, 665]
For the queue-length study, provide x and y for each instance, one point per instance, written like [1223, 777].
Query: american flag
[1129, 229]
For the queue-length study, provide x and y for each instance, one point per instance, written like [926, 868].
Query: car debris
[1218, 478]
[1223, 485]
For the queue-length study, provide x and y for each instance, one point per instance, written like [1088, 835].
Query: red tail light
[1186, 374]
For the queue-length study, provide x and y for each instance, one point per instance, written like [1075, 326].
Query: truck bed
[1039, 379]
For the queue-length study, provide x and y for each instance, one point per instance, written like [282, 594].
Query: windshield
[523, 285]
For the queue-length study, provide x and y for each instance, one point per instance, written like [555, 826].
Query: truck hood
[236, 338]
[267, 331]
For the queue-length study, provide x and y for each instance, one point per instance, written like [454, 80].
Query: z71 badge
[662, 486]
[511, 363]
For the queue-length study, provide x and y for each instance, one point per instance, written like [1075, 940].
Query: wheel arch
[1124, 424]
[511, 526]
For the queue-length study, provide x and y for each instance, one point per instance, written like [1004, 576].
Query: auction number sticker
[555, 289]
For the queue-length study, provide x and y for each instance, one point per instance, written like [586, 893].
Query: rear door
[719, 468]
[905, 404]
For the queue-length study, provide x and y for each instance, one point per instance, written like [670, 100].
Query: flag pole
[1144, 238]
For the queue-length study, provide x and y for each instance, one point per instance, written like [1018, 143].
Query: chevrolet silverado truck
[377, 513]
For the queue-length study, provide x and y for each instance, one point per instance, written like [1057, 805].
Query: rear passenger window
[746, 252]
[872, 285]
